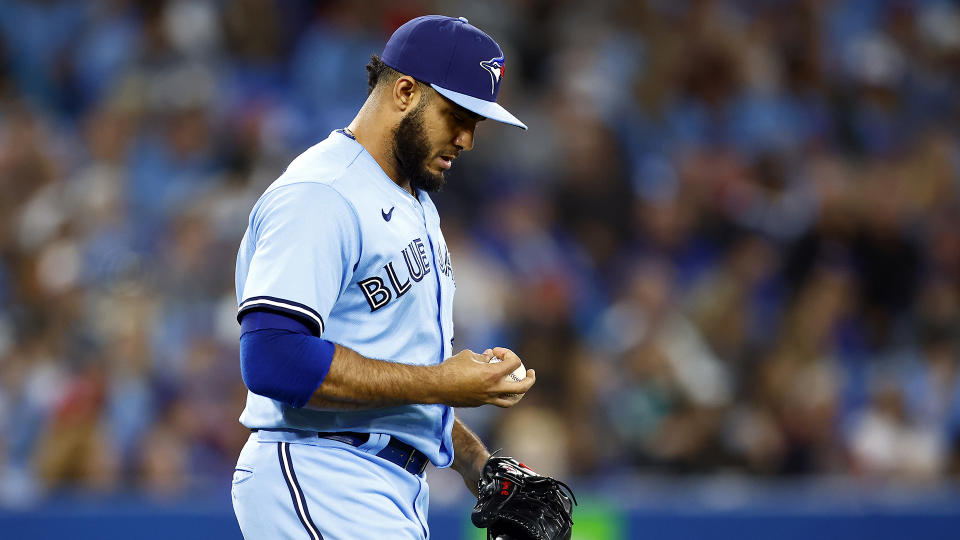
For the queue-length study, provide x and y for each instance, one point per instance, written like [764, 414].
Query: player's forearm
[469, 455]
[466, 379]
[357, 382]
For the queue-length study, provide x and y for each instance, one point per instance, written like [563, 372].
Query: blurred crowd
[729, 242]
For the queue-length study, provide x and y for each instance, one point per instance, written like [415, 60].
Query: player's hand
[468, 379]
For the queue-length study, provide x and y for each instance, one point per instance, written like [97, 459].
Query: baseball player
[345, 290]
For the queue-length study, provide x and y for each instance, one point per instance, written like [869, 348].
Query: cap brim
[487, 109]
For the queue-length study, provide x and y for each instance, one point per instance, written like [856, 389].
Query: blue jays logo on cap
[495, 67]
[444, 52]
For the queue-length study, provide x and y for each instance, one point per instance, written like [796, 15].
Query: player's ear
[406, 91]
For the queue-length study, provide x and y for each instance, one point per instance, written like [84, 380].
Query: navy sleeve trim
[262, 319]
[270, 303]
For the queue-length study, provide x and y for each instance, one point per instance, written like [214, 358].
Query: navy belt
[398, 452]
[402, 454]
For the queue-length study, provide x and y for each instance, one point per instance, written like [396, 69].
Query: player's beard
[411, 149]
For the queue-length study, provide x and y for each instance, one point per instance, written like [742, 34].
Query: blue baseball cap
[456, 59]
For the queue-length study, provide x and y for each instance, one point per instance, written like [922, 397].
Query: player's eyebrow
[472, 115]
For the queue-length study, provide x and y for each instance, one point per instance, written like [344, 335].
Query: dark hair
[378, 72]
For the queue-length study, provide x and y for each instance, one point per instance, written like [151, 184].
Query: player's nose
[464, 139]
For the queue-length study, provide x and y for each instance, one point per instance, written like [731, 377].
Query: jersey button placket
[433, 255]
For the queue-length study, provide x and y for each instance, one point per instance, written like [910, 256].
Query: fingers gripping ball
[516, 375]
[519, 504]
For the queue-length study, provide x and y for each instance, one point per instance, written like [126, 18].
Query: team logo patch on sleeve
[495, 67]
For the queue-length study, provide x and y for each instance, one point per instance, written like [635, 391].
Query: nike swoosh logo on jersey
[387, 215]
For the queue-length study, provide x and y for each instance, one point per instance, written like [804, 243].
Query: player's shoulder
[322, 163]
[310, 182]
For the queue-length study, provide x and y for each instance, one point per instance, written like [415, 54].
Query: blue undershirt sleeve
[280, 358]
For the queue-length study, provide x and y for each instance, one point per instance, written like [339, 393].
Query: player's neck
[379, 144]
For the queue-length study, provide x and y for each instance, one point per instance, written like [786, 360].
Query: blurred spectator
[671, 387]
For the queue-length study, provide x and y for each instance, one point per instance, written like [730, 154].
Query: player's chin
[438, 183]
[435, 176]
[430, 181]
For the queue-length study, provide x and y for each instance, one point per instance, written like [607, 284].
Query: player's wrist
[431, 389]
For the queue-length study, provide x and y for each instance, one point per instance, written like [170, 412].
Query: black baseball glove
[516, 503]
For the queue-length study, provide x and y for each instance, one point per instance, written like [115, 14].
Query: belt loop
[375, 443]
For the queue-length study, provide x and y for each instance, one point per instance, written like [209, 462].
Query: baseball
[517, 375]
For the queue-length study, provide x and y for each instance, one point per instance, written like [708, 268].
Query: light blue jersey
[338, 243]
